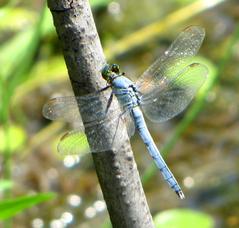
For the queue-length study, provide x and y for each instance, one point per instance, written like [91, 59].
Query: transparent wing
[98, 115]
[129, 122]
[176, 57]
[165, 102]
[62, 108]
[74, 142]
[67, 108]
[91, 106]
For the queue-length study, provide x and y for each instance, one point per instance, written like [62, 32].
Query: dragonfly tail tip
[180, 194]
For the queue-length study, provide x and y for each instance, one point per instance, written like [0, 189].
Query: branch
[116, 170]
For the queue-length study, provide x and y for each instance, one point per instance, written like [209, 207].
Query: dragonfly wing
[129, 122]
[74, 142]
[165, 102]
[98, 116]
[178, 55]
[71, 108]
[62, 108]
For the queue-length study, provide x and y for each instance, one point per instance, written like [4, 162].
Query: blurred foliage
[183, 218]
[17, 137]
[5, 184]
[13, 19]
[17, 64]
[154, 29]
[11, 207]
[99, 3]
[17, 61]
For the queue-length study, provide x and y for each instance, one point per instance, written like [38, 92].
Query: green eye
[108, 71]
[105, 71]
[115, 68]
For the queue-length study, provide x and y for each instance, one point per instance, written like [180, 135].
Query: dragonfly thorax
[126, 92]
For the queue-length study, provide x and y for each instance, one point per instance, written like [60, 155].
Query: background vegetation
[38, 188]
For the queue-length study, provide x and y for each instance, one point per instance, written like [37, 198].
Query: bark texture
[116, 169]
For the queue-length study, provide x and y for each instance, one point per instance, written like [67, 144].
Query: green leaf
[5, 185]
[10, 207]
[183, 218]
[13, 139]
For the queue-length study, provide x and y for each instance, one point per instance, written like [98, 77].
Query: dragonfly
[163, 91]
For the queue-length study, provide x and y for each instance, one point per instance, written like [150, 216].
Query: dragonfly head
[110, 72]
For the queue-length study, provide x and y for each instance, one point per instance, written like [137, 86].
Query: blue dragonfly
[163, 91]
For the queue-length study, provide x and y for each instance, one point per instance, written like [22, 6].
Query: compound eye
[115, 68]
[105, 72]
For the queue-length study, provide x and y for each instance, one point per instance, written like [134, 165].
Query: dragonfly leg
[117, 127]
[104, 88]
[99, 91]
[109, 102]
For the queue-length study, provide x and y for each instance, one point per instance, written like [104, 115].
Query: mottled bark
[116, 169]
